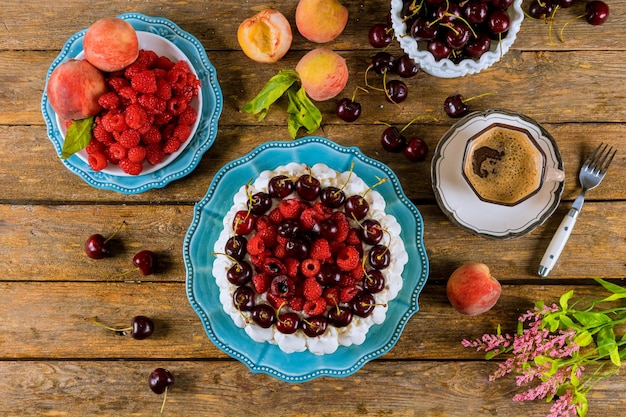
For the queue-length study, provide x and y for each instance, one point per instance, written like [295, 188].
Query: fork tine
[605, 166]
[592, 157]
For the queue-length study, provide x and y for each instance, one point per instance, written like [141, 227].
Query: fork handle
[558, 242]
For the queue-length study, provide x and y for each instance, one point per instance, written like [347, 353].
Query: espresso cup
[504, 165]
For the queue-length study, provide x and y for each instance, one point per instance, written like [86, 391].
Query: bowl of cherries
[453, 38]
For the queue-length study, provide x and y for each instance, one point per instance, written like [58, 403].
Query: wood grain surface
[55, 362]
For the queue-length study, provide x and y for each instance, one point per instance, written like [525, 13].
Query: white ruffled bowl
[445, 68]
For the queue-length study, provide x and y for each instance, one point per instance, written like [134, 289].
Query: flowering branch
[555, 344]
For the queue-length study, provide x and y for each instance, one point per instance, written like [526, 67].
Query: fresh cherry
[476, 47]
[288, 323]
[160, 379]
[392, 140]
[243, 222]
[416, 149]
[340, 316]
[356, 207]
[406, 67]
[371, 231]
[379, 257]
[380, 35]
[297, 248]
[142, 327]
[240, 273]
[396, 91]
[308, 187]
[314, 326]
[280, 186]
[264, 315]
[455, 106]
[260, 203]
[145, 260]
[329, 274]
[243, 298]
[424, 29]
[383, 62]
[596, 12]
[98, 247]
[363, 304]
[439, 49]
[348, 110]
[374, 281]
[332, 197]
[498, 22]
[327, 229]
[235, 247]
[476, 11]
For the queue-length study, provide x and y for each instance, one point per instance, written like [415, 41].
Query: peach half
[74, 88]
[265, 37]
[321, 21]
[111, 44]
[323, 73]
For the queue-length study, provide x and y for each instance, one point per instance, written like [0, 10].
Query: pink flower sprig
[561, 350]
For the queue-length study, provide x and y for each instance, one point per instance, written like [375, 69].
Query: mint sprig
[302, 111]
[77, 137]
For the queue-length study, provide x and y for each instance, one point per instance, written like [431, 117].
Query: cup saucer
[457, 200]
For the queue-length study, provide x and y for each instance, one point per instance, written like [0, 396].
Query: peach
[74, 88]
[265, 37]
[472, 290]
[323, 73]
[111, 44]
[321, 21]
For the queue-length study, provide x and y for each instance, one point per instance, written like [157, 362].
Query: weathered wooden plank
[45, 243]
[113, 388]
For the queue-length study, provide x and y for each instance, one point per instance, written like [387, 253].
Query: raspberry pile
[305, 257]
[146, 114]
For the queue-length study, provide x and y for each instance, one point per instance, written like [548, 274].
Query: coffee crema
[503, 165]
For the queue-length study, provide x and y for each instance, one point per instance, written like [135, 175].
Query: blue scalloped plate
[203, 292]
[202, 140]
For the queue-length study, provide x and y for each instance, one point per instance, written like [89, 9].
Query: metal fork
[591, 174]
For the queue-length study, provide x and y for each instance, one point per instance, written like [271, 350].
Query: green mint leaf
[302, 112]
[77, 137]
[270, 93]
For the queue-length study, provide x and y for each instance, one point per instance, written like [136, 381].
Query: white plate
[463, 207]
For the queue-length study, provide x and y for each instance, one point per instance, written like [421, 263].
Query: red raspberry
[194, 82]
[176, 77]
[137, 154]
[117, 151]
[261, 282]
[276, 301]
[346, 280]
[263, 222]
[331, 295]
[129, 138]
[279, 250]
[348, 258]
[312, 289]
[163, 118]
[94, 146]
[307, 219]
[293, 267]
[118, 82]
[297, 303]
[346, 294]
[110, 158]
[151, 103]
[135, 116]
[97, 161]
[129, 167]
[164, 89]
[354, 237]
[357, 273]
[320, 250]
[182, 132]
[153, 135]
[255, 245]
[276, 216]
[172, 145]
[322, 212]
[268, 234]
[128, 95]
[315, 307]
[188, 117]
[310, 267]
[154, 153]
[148, 58]
[342, 224]
[176, 105]
[165, 63]
[134, 69]
[144, 82]
[109, 100]
[113, 122]
[182, 66]
[290, 208]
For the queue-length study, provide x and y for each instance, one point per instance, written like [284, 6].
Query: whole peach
[265, 37]
[321, 20]
[472, 290]
[323, 73]
[111, 44]
[74, 88]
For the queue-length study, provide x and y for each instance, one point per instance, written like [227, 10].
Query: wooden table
[54, 363]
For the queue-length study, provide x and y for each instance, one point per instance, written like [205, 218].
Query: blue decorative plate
[177, 166]
[203, 292]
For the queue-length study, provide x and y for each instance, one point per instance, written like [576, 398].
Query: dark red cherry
[142, 327]
[264, 315]
[340, 316]
[145, 260]
[289, 228]
[498, 21]
[327, 229]
[416, 149]
[288, 323]
[235, 247]
[397, 91]
[314, 326]
[392, 140]
[260, 203]
[439, 49]
[424, 29]
[240, 273]
[160, 379]
[280, 186]
[383, 62]
[406, 67]
[363, 304]
[308, 187]
[329, 274]
[458, 36]
[332, 197]
[455, 106]
[541, 9]
[380, 35]
[297, 248]
[502, 4]
[596, 12]
[356, 207]
[371, 231]
[243, 222]
[374, 281]
[476, 11]
[477, 47]
[243, 298]
[348, 110]
[379, 257]
[97, 247]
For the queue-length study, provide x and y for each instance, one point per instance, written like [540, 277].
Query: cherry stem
[347, 179]
[235, 261]
[421, 116]
[357, 89]
[115, 231]
[380, 181]
[164, 399]
[114, 329]
[475, 97]
[561, 38]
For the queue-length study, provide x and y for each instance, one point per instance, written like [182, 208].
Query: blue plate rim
[203, 139]
[357, 353]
